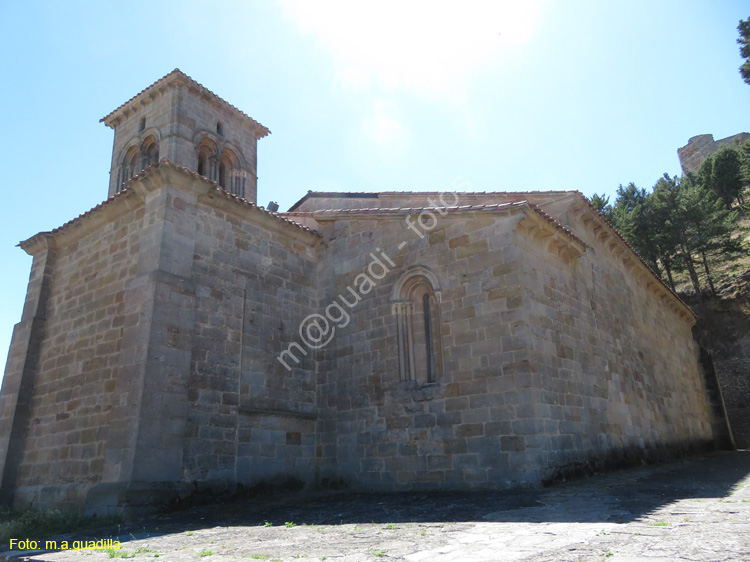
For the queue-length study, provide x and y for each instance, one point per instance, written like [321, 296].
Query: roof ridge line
[166, 80]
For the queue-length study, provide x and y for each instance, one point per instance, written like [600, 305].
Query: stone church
[179, 337]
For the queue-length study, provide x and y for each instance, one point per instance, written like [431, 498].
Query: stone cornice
[152, 178]
[553, 237]
[620, 250]
[177, 79]
[534, 222]
[73, 230]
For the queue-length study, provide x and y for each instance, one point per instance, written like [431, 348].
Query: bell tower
[178, 119]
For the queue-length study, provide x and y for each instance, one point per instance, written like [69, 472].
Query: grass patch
[32, 524]
[724, 268]
[203, 553]
[119, 553]
[658, 523]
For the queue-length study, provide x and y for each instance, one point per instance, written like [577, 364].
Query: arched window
[149, 152]
[223, 174]
[202, 163]
[207, 159]
[230, 173]
[416, 305]
[129, 167]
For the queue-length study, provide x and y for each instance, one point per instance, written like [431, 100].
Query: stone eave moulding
[612, 242]
[549, 235]
[88, 222]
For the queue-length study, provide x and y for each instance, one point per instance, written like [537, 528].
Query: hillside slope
[723, 328]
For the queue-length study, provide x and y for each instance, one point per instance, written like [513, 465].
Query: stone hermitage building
[178, 337]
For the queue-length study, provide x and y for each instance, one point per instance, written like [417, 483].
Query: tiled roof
[174, 76]
[449, 209]
[152, 169]
[629, 247]
[219, 190]
[376, 194]
[492, 207]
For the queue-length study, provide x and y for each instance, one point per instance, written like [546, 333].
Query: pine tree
[710, 225]
[663, 201]
[722, 173]
[632, 215]
[744, 42]
[695, 226]
[602, 205]
[744, 151]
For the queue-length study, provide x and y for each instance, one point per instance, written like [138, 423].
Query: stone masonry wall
[463, 430]
[162, 316]
[161, 352]
[69, 419]
[197, 118]
[701, 147]
[178, 117]
[617, 373]
[158, 114]
[550, 367]
[250, 419]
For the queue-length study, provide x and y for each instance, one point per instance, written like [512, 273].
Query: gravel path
[694, 510]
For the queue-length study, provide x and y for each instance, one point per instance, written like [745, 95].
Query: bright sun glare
[429, 50]
[424, 47]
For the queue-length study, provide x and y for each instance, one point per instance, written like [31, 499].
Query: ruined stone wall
[74, 391]
[701, 147]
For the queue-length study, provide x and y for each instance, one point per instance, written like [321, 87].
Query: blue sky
[383, 95]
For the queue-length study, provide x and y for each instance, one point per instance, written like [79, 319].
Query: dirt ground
[692, 510]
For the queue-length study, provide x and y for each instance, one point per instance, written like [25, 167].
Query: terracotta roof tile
[627, 244]
[177, 73]
[151, 169]
[374, 194]
[220, 190]
[450, 209]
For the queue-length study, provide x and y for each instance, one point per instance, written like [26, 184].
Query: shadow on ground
[617, 497]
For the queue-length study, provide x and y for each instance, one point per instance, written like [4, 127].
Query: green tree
[722, 174]
[695, 225]
[602, 205]
[632, 215]
[710, 225]
[664, 201]
[744, 151]
[744, 42]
